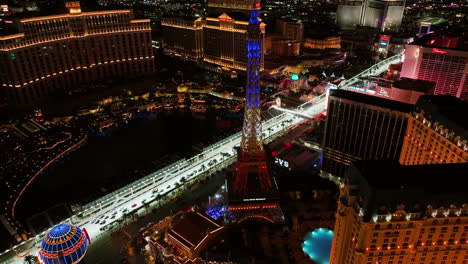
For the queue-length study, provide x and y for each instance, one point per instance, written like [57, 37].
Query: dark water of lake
[107, 162]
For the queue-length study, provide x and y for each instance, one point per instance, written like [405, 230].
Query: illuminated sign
[225, 20]
[4, 8]
[72, 4]
[281, 162]
[383, 43]
[384, 38]
[294, 77]
[73, 7]
[383, 92]
[254, 199]
[438, 51]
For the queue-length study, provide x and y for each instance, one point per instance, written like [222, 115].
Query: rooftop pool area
[317, 245]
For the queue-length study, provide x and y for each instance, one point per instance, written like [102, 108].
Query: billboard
[384, 42]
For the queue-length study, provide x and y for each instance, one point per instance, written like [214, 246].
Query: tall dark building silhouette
[361, 127]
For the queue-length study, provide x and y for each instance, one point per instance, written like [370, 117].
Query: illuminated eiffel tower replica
[252, 192]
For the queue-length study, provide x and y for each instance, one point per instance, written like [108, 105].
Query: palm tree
[146, 205]
[177, 186]
[223, 155]
[120, 221]
[183, 180]
[126, 216]
[30, 259]
[158, 198]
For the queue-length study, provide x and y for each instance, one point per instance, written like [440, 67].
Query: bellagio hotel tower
[61, 51]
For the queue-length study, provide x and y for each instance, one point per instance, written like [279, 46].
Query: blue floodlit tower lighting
[252, 191]
[252, 143]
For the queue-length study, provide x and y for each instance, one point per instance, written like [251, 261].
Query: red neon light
[287, 145]
[72, 4]
[87, 235]
[257, 216]
[438, 51]
[274, 153]
[384, 38]
[257, 5]
[21, 256]
[225, 20]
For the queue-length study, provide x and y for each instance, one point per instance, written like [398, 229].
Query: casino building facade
[393, 214]
[381, 14]
[218, 41]
[62, 51]
[441, 59]
[437, 132]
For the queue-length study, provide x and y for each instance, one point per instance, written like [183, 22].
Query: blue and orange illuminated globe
[65, 244]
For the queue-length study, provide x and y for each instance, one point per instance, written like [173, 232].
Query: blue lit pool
[317, 245]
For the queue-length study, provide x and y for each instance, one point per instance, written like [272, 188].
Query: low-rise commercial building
[182, 238]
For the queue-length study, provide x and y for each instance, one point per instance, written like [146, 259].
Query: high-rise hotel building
[228, 6]
[440, 59]
[382, 14]
[437, 132]
[361, 127]
[393, 214]
[183, 37]
[60, 51]
[225, 41]
[217, 41]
